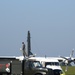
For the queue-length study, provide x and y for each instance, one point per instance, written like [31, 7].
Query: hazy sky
[51, 23]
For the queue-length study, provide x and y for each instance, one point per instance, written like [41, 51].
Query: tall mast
[28, 43]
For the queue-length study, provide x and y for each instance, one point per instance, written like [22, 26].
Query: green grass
[70, 71]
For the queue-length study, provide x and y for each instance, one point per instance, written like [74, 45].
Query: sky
[50, 22]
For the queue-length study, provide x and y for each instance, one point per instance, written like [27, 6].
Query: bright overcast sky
[51, 24]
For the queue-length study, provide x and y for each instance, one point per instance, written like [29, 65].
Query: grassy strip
[70, 71]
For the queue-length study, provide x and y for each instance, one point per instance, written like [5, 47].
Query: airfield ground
[71, 70]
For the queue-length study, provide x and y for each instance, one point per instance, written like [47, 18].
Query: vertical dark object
[10, 67]
[28, 44]
[23, 67]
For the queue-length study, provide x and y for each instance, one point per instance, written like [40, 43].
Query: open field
[71, 70]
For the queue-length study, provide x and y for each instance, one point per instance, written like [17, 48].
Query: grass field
[70, 71]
